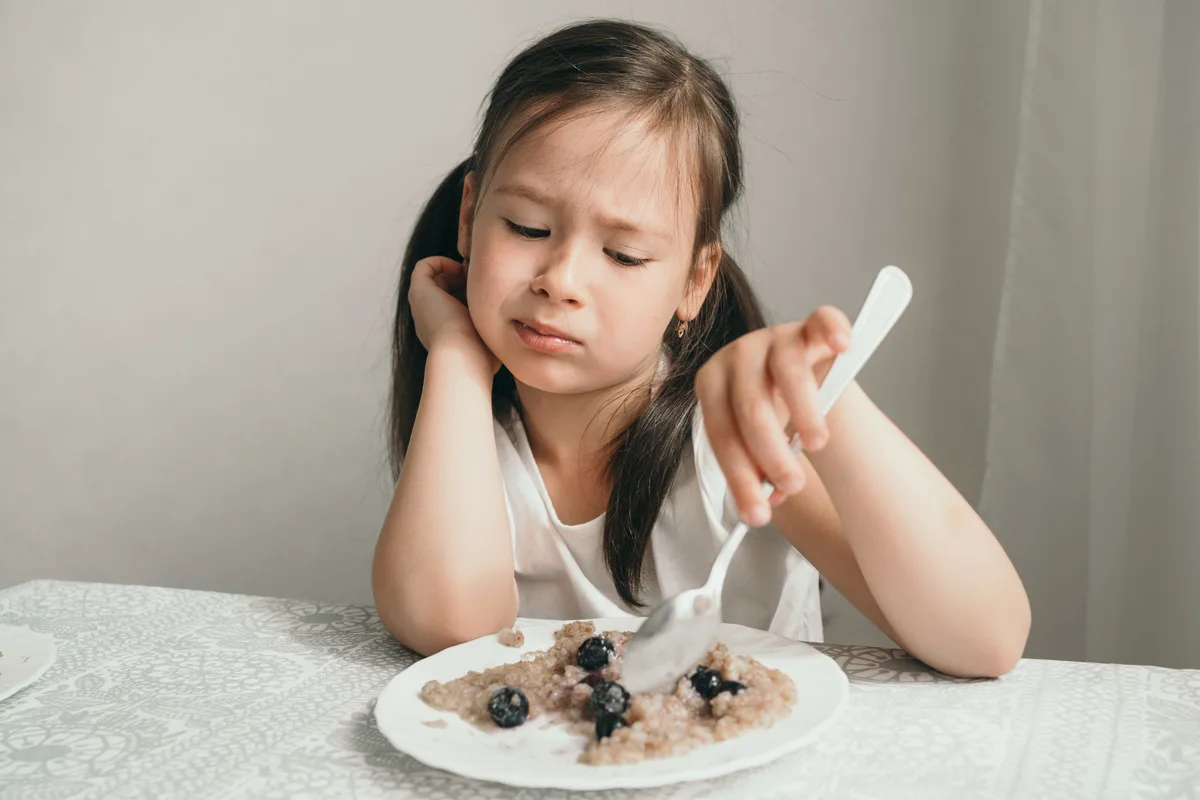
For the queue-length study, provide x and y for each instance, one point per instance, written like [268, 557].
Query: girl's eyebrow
[610, 221]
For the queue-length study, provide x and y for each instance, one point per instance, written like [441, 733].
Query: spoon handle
[886, 301]
[888, 298]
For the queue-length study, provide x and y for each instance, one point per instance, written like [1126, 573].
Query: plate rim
[39, 671]
[632, 781]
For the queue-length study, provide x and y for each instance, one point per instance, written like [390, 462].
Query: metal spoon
[681, 629]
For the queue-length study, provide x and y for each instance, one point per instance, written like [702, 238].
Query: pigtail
[435, 234]
[646, 455]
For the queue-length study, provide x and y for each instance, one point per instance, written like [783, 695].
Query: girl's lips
[543, 340]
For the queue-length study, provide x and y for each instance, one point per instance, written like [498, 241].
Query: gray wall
[203, 204]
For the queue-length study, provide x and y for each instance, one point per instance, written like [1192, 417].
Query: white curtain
[1092, 479]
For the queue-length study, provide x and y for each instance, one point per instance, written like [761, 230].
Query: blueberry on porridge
[508, 707]
[595, 653]
[608, 699]
[706, 682]
[606, 725]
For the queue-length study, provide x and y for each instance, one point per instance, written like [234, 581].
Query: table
[170, 693]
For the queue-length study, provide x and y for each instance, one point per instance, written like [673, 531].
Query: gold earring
[681, 329]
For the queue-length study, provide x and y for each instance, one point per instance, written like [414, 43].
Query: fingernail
[758, 516]
[790, 484]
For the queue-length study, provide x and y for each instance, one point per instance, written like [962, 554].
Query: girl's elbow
[425, 634]
[1012, 649]
[427, 642]
[985, 652]
[982, 664]
[430, 627]
[1004, 649]
[450, 628]
[997, 663]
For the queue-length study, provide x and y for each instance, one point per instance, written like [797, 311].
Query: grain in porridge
[511, 637]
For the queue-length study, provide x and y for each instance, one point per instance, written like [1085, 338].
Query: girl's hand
[437, 296]
[752, 389]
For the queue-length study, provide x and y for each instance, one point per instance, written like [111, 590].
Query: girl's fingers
[749, 388]
[433, 265]
[825, 334]
[445, 273]
[792, 374]
[827, 326]
[761, 429]
[451, 267]
[741, 475]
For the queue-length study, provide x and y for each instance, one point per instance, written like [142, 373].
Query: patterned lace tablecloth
[168, 693]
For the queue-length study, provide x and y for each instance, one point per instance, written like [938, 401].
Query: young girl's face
[580, 254]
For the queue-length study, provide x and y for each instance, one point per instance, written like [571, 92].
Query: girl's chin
[551, 375]
[549, 378]
[565, 379]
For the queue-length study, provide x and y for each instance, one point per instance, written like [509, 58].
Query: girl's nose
[562, 278]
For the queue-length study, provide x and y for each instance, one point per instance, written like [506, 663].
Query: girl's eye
[624, 260]
[528, 233]
[541, 233]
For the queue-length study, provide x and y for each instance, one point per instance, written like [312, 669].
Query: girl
[576, 399]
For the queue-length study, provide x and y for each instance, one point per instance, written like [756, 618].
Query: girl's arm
[443, 568]
[865, 506]
[900, 543]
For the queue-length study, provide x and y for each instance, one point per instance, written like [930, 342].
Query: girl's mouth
[544, 338]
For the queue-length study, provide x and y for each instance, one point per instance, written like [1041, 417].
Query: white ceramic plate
[24, 657]
[539, 755]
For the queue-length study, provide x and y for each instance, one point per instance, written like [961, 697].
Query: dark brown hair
[610, 65]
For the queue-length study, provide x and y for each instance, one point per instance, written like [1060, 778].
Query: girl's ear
[700, 282]
[466, 214]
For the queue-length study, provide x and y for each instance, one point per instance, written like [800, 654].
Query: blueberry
[707, 682]
[509, 707]
[606, 725]
[595, 653]
[732, 686]
[609, 700]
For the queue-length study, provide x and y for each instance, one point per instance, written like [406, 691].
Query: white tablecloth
[168, 693]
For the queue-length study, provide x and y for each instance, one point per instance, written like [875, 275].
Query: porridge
[576, 682]
[511, 637]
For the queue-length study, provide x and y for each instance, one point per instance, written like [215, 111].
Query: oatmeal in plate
[577, 683]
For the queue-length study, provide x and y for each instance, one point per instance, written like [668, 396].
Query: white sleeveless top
[560, 568]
